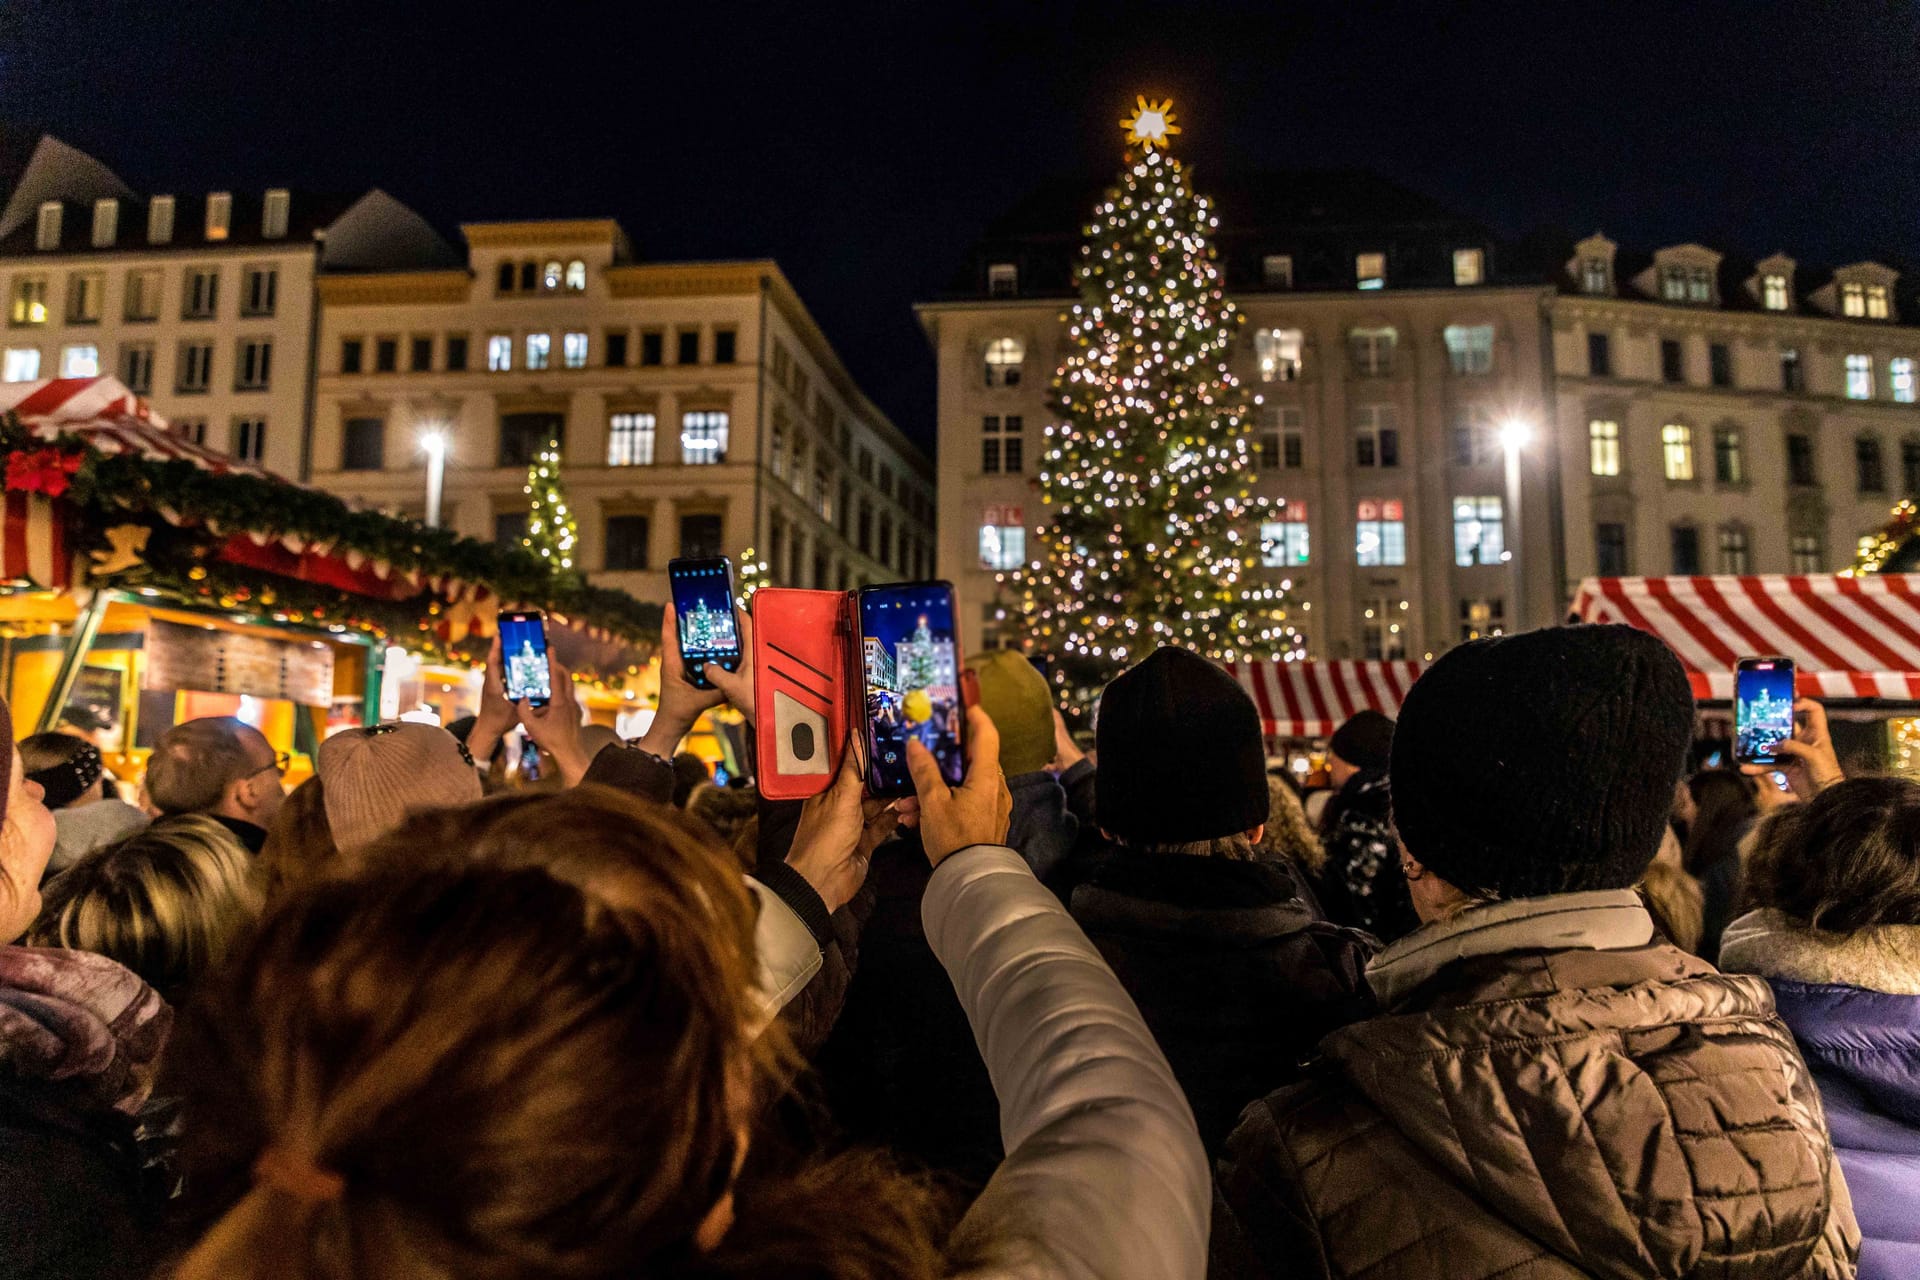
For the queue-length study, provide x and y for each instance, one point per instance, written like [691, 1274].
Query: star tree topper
[1151, 123]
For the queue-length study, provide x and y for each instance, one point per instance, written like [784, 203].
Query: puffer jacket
[1853, 1003]
[1552, 1093]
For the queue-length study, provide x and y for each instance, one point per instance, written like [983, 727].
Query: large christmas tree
[551, 529]
[1151, 533]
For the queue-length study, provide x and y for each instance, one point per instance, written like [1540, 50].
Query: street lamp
[1515, 435]
[434, 444]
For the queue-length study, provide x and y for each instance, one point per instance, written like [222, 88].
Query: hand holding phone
[1763, 700]
[979, 810]
[523, 647]
[910, 667]
[706, 617]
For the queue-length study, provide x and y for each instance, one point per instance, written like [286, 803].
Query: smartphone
[703, 610]
[523, 646]
[910, 669]
[1762, 709]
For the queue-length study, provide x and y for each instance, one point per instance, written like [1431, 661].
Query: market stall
[147, 580]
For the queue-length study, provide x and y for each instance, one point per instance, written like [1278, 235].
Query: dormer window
[1469, 266]
[550, 277]
[1370, 271]
[1853, 300]
[1773, 293]
[1876, 302]
[1596, 276]
[273, 215]
[160, 220]
[576, 276]
[46, 232]
[1688, 284]
[106, 223]
[1003, 280]
[1276, 271]
[219, 215]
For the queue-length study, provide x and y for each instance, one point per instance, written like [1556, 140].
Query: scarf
[80, 1025]
[1884, 957]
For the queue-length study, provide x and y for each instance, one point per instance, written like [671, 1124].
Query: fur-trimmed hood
[1884, 958]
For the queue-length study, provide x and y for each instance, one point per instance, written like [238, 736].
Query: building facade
[698, 409]
[1392, 365]
[1715, 415]
[202, 302]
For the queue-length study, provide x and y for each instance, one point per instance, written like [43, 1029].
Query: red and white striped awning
[1312, 699]
[109, 417]
[1850, 638]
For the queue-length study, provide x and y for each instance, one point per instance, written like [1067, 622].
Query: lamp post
[434, 444]
[1515, 435]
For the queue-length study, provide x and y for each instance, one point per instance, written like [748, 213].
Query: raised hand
[975, 812]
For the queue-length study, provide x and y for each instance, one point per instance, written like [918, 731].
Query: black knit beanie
[1365, 741]
[1181, 757]
[1543, 762]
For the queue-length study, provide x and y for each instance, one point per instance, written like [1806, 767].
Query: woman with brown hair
[525, 1042]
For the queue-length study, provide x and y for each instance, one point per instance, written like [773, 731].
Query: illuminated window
[1278, 352]
[1003, 361]
[1380, 533]
[1276, 270]
[1859, 377]
[22, 364]
[1383, 636]
[1686, 284]
[1284, 543]
[1370, 270]
[703, 437]
[1372, 351]
[1603, 447]
[1478, 532]
[499, 353]
[1469, 348]
[29, 300]
[1596, 276]
[1876, 302]
[576, 276]
[1734, 554]
[1676, 447]
[46, 232]
[551, 276]
[106, 222]
[630, 440]
[1469, 266]
[1003, 546]
[219, 215]
[1900, 378]
[539, 350]
[573, 350]
[1773, 293]
[1480, 618]
[1729, 458]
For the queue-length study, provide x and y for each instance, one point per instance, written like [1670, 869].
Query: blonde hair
[1289, 834]
[166, 903]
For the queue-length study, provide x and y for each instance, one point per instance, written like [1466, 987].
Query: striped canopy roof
[1312, 699]
[109, 417]
[1850, 638]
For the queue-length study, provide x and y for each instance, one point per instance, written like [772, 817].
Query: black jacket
[74, 1204]
[1233, 974]
[1363, 885]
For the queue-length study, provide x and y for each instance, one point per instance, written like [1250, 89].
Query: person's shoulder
[1302, 1124]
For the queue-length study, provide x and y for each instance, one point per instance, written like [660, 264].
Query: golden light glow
[1151, 123]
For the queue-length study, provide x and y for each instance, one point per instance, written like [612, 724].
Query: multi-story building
[698, 408]
[1716, 415]
[1393, 360]
[202, 302]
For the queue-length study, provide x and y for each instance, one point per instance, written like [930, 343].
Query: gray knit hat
[372, 779]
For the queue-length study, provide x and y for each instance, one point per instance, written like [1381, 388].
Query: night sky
[866, 147]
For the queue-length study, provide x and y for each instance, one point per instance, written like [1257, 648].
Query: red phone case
[801, 694]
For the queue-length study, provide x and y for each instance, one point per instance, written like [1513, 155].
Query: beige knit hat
[372, 779]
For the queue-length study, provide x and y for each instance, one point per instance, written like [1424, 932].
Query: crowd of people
[1514, 995]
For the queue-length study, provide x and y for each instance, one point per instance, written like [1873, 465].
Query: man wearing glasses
[222, 767]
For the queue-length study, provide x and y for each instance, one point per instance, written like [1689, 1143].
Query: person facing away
[220, 766]
[572, 1085]
[1835, 930]
[87, 812]
[1362, 885]
[1229, 966]
[1550, 1090]
[1015, 694]
[80, 1043]
[1725, 808]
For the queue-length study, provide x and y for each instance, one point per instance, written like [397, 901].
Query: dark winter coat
[1551, 1093]
[1236, 978]
[1041, 828]
[79, 1040]
[1853, 1004]
[1362, 885]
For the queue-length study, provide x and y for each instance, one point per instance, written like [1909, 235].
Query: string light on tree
[751, 576]
[551, 530]
[1149, 532]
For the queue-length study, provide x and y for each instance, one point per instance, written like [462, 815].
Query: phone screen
[523, 644]
[911, 668]
[1762, 709]
[703, 613]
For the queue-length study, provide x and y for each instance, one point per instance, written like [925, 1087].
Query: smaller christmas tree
[551, 529]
